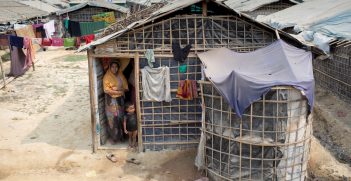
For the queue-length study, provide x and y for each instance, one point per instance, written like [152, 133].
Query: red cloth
[187, 90]
[58, 42]
[27, 44]
[89, 38]
[46, 42]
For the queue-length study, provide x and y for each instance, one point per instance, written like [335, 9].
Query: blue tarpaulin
[242, 78]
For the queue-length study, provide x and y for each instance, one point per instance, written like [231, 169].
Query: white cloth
[49, 28]
[156, 84]
[19, 26]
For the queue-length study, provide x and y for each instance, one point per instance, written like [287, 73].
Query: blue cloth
[16, 41]
[242, 78]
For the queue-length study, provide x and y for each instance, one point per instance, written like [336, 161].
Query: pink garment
[57, 42]
[30, 55]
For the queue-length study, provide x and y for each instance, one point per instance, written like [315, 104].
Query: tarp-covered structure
[319, 21]
[243, 78]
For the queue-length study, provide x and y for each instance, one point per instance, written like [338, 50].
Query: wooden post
[138, 109]
[92, 100]
[2, 72]
[204, 8]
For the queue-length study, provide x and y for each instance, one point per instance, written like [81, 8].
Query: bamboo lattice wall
[270, 142]
[177, 124]
[334, 74]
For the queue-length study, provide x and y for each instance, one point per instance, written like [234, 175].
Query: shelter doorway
[102, 137]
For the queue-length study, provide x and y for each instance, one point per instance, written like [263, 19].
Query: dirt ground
[45, 133]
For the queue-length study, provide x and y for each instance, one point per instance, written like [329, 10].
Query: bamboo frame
[296, 148]
[93, 109]
[3, 73]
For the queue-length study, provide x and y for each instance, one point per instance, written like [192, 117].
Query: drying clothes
[58, 42]
[149, 54]
[35, 26]
[37, 41]
[18, 26]
[66, 23]
[74, 28]
[69, 42]
[182, 68]
[180, 54]
[16, 41]
[18, 66]
[78, 42]
[40, 32]
[46, 42]
[156, 84]
[4, 40]
[87, 28]
[242, 78]
[49, 28]
[187, 90]
[88, 38]
[30, 55]
[108, 17]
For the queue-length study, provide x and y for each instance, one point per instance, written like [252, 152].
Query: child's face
[131, 109]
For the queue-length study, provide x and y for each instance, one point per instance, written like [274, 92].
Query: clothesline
[17, 41]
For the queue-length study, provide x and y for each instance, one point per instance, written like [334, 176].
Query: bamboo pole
[92, 101]
[3, 73]
[136, 79]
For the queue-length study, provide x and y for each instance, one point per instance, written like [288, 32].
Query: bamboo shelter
[270, 142]
[201, 24]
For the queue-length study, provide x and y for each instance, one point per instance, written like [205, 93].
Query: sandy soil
[45, 130]
[45, 133]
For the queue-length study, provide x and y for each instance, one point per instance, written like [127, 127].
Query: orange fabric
[30, 54]
[187, 90]
[111, 80]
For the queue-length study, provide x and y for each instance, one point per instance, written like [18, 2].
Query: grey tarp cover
[242, 78]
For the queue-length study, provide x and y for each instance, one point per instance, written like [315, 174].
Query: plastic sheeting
[331, 19]
[243, 78]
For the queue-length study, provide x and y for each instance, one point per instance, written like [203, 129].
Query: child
[130, 124]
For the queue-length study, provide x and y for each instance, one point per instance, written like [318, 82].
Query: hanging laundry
[156, 84]
[57, 42]
[35, 26]
[78, 42]
[4, 40]
[180, 54]
[87, 28]
[182, 68]
[27, 31]
[46, 42]
[108, 17]
[30, 56]
[18, 66]
[149, 54]
[66, 22]
[69, 42]
[18, 26]
[37, 41]
[16, 41]
[88, 38]
[40, 32]
[187, 90]
[49, 28]
[74, 28]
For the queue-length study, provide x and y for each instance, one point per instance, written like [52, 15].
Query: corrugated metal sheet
[94, 4]
[41, 5]
[14, 11]
[247, 5]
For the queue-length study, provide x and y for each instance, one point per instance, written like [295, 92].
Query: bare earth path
[45, 130]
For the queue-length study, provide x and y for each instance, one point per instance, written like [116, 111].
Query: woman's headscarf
[112, 80]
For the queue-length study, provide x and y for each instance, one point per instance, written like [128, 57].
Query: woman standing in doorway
[115, 85]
